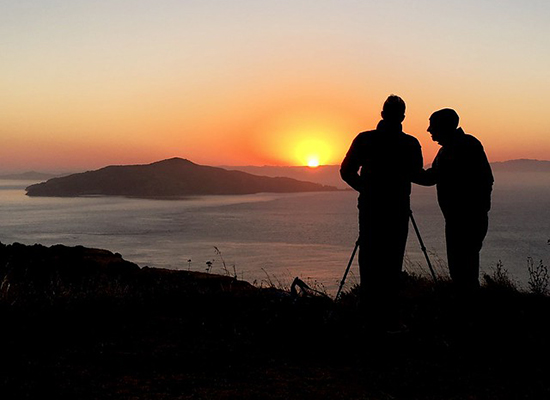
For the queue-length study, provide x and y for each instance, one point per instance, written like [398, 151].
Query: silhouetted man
[387, 160]
[464, 182]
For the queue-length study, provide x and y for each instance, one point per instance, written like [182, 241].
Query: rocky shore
[81, 323]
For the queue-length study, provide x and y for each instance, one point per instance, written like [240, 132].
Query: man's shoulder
[410, 140]
[370, 133]
[376, 135]
[366, 136]
[471, 140]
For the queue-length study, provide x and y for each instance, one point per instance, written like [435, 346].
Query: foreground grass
[85, 324]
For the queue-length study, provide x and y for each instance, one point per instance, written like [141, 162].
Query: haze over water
[270, 236]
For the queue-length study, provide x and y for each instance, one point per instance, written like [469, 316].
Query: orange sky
[262, 83]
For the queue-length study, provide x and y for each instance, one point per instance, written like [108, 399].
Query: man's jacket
[381, 164]
[463, 176]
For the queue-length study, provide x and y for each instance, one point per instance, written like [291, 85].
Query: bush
[538, 277]
[499, 278]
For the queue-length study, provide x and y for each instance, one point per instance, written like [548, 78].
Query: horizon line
[67, 171]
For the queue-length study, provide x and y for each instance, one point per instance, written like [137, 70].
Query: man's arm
[426, 177]
[349, 169]
[417, 164]
[430, 176]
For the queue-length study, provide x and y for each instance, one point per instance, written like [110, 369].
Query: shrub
[499, 278]
[538, 277]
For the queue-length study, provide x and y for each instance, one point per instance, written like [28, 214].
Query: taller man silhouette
[380, 165]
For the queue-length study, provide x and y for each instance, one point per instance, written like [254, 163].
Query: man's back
[388, 159]
[464, 176]
[380, 165]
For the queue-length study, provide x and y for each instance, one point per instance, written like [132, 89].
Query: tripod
[357, 246]
[347, 270]
[423, 247]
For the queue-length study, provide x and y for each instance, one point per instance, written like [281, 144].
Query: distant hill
[28, 176]
[179, 177]
[175, 177]
[522, 173]
[330, 174]
[522, 165]
[323, 174]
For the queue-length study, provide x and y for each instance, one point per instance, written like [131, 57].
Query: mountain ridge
[327, 175]
[28, 175]
[330, 174]
[170, 178]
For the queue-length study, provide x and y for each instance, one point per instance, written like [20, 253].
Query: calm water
[267, 236]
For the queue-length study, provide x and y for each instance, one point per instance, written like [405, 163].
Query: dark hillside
[83, 324]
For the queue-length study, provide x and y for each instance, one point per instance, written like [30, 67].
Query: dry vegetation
[85, 324]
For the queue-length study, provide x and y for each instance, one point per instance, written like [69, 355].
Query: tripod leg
[423, 247]
[347, 270]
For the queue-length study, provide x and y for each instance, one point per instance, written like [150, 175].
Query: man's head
[443, 125]
[394, 109]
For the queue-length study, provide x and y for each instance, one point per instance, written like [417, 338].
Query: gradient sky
[84, 84]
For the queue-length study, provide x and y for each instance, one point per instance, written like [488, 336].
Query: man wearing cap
[464, 182]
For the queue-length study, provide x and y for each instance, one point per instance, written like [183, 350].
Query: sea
[269, 239]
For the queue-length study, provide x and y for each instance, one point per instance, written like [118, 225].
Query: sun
[312, 152]
[309, 136]
[313, 162]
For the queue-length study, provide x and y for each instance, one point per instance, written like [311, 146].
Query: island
[172, 178]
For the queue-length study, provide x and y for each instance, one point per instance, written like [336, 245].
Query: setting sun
[305, 137]
[312, 152]
[313, 162]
